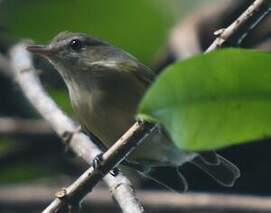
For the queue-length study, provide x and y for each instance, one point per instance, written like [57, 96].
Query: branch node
[219, 32]
[124, 183]
[67, 135]
[62, 194]
[25, 70]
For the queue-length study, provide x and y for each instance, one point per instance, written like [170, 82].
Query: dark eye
[75, 44]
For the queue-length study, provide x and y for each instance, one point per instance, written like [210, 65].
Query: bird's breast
[107, 109]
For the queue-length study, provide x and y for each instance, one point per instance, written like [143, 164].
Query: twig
[29, 83]
[253, 26]
[12, 196]
[185, 38]
[233, 28]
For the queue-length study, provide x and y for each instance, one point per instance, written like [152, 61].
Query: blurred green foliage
[6, 144]
[62, 99]
[23, 171]
[20, 170]
[139, 27]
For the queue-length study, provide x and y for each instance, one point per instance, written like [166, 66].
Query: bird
[105, 86]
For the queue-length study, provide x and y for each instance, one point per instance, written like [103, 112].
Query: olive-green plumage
[106, 85]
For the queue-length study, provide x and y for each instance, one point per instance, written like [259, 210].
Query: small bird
[105, 86]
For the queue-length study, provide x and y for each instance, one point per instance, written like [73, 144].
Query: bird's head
[77, 56]
[71, 51]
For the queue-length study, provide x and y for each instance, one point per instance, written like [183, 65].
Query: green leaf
[61, 97]
[214, 100]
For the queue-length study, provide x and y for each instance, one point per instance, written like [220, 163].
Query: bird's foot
[114, 172]
[97, 161]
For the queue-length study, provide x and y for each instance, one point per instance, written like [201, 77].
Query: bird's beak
[40, 50]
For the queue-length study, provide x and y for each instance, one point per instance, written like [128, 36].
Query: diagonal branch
[228, 32]
[26, 77]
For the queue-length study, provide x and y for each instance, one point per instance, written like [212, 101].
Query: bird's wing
[143, 73]
[140, 71]
[95, 139]
[224, 172]
[169, 177]
[209, 157]
[160, 175]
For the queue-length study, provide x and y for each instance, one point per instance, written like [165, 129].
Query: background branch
[155, 201]
[192, 34]
[19, 126]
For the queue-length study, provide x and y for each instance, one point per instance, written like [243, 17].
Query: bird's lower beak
[40, 50]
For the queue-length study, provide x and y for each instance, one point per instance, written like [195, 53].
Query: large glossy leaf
[214, 100]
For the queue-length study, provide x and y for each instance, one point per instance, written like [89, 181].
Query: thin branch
[185, 39]
[254, 25]
[225, 34]
[27, 79]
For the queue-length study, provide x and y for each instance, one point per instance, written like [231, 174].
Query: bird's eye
[75, 44]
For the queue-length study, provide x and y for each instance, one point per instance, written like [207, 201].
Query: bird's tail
[223, 171]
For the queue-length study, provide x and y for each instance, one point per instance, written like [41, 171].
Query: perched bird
[105, 86]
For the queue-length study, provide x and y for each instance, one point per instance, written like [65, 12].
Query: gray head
[70, 52]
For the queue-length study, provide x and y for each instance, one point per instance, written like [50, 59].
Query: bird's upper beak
[41, 50]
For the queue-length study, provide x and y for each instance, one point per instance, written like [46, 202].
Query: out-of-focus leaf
[137, 26]
[5, 144]
[214, 100]
[21, 172]
[61, 98]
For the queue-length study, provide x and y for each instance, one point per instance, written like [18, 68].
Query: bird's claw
[114, 172]
[97, 163]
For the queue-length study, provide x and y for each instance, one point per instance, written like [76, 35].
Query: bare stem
[226, 33]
